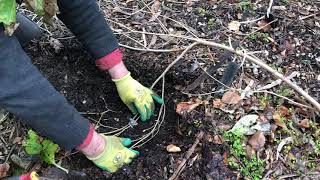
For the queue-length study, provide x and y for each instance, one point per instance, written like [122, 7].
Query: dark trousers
[27, 94]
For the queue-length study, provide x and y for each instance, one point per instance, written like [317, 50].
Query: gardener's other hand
[115, 155]
[138, 98]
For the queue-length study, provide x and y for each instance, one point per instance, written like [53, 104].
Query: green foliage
[8, 15]
[285, 2]
[37, 6]
[32, 146]
[251, 168]
[245, 5]
[7, 12]
[264, 100]
[318, 146]
[285, 91]
[201, 11]
[197, 123]
[211, 22]
[45, 149]
[48, 151]
[277, 68]
[17, 171]
[46, 9]
[259, 36]
[311, 165]
[235, 139]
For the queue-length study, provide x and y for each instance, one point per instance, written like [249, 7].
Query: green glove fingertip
[157, 98]
[132, 108]
[152, 109]
[148, 110]
[141, 111]
[126, 141]
[137, 153]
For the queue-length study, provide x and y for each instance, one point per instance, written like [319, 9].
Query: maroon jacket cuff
[110, 60]
[25, 177]
[88, 139]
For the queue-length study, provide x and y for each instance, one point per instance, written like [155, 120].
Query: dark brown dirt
[74, 74]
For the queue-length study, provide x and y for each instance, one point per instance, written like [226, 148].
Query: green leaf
[7, 12]
[48, 151]
[37, 6]
[8, 15]
[45, 8]
[32, 145]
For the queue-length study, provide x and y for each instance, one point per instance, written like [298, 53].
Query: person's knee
[27, 30]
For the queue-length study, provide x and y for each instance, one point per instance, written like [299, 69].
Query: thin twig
[290, 100]
[174, 62]
[264, 66]
[306, 17]
[188, 155]
[150, 50]
[248, 57]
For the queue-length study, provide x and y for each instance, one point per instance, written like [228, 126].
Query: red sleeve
[109, 60]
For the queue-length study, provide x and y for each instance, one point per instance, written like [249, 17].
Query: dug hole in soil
[73, 73]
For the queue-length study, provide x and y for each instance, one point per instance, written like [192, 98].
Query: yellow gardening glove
[115, 154]
[138, 98]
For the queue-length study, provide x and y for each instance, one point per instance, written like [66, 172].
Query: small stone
[173, 148]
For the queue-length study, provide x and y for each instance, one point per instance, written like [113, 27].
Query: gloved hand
[115, 155]
[138, 98]
[29, 176]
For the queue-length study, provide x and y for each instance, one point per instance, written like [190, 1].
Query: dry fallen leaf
[155, 6]
[273, 132]
[250, 151]
[263, 119]
[279, 120]
[234, 26]
[186, 107]
[258, 140]
[4, 169]
[231, 98]
[217, 103]
[173, 148]
[284, 111]
[263, 24]
[217, 139]
[280, 116]
[225, 158]
[155, 10]
[304, 123]
[48, 9]
[209, 138]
